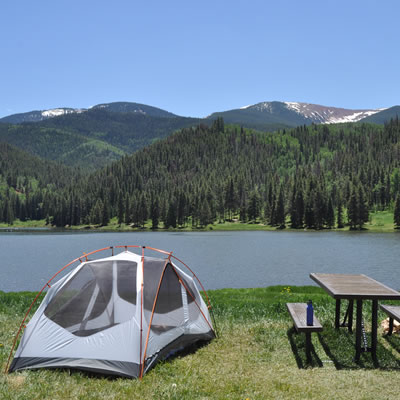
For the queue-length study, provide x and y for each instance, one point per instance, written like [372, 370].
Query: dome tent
[117, 315]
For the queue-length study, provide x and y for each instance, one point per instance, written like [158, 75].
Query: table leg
[350, 322]
[374, 328]
[337, 316]
[358, 330]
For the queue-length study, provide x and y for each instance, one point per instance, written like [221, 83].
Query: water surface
[220, 259]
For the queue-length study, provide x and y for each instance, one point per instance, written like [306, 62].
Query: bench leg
[308, 346]
[390, 326]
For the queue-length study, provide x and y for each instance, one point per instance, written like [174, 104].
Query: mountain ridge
[94, 137]
[266, 114]
[91, 139]
[119, 107]
[292, 114]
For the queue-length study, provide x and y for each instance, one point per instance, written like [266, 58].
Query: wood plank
[298, 312]
[349, 286]
[392, 311]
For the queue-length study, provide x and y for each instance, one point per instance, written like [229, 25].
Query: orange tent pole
[85, 255]
[191, 295]
[37, 296]
[168, 260]
[141, 308]
[198, 280]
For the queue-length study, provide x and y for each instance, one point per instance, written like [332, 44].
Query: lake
[220, 259]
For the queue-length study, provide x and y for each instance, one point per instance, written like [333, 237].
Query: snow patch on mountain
[55, 112]
[328, 115]
[263, 107]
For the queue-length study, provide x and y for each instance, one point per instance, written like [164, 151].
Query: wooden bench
[393, 312]
[298, 313]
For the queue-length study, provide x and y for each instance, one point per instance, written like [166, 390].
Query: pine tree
[280, 210]
[319, 209]
[395, 183]
[155, 213]
[171, 215]
[205, 213]
[396, 213]
[243, 212]
[353, 210]
[142, 210]
[297, 210]
[330, 215]
[8, 213]
[120, 210]
[95, 214]
[340, 223]
[105, 215]
[128, 211]
[254, 206]
[309, 219]
[230, 199]
[362, 208]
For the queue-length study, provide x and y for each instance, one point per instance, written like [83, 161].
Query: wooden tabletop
[348, 286]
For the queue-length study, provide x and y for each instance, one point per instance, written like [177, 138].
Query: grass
[258, 355]
[381, 221]
[26, 224]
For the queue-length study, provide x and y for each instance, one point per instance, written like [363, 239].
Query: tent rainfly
[117, 316]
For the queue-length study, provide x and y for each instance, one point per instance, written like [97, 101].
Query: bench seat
[393, 312]
[298, 313]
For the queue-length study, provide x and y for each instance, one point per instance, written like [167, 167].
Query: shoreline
[380, 222]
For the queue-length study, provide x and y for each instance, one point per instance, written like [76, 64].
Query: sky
[193, 58]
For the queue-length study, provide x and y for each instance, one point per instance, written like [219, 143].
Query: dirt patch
[16, 381]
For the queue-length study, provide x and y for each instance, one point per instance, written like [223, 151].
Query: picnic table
[359, 288]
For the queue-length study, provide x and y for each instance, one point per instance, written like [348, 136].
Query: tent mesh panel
[92, 299]
[193, 298]
[168, 312]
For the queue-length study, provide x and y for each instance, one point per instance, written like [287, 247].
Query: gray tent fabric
[91, 319]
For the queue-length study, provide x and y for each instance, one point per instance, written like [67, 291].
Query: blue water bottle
[310, 313]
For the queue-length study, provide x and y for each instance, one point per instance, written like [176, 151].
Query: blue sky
[194, 58]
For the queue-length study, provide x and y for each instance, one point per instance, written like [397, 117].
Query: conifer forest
[316, 176]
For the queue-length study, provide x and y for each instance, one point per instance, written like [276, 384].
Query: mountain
[93, 138]
[128, 131]
[37, 116]
[383, 116]
[60, 145]
[274, 114]
[126, 107]
[328, 115]
[267, 116]
[119, 107]
[22, 172]
[27, 182]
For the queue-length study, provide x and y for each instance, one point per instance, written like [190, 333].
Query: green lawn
[257, 355]
[381, 221]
